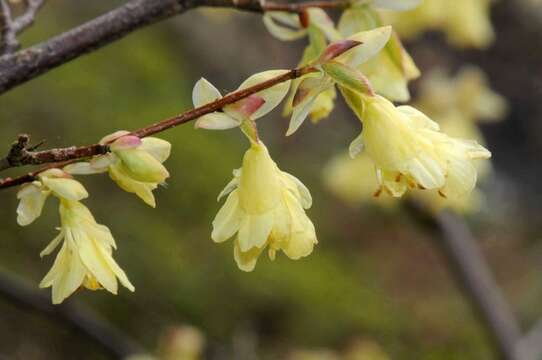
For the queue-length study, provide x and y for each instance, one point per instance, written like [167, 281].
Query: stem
[72, 154]
[24, 65]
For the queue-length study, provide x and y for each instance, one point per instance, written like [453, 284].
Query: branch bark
[60, 157]
[18, 68]
[10, 27]
[474, 275]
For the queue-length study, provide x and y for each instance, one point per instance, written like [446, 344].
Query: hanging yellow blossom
[85, 257]
[265, 208]
[409, 151]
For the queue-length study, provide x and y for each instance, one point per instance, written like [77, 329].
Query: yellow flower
[409, 150]
[85, 257]
[32, 196]
[134, 164]
[465, 22]
[265, 207]
[457, 104]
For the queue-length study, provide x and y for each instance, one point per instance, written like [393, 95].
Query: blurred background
[376, 286]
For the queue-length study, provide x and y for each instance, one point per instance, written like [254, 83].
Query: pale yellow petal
[160, 149]
[204, 92]
[31, 200]
[227, 220]
[65, 188]
[246, 261]
[254, 230]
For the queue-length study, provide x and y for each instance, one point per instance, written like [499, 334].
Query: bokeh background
[375, 283]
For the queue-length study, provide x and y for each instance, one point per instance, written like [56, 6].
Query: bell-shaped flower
[337, 65]
[85, 257]
[134, 164]
[265, 208]
[390, 71]
[466, 23]
[250, 108]
[409, 150]
[32, 196]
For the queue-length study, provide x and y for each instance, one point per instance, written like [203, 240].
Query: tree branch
[27, 64]
[19, 155]
[80, 318]
[472, 272]
[10, 27]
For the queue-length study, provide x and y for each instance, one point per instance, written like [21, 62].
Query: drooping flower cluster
[85, 256]
[265, 206]
[456, 103]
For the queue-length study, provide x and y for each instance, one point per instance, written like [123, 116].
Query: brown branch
[63, 156]
[10, 27]
[27, 64]
[474, 275]
[21, 154]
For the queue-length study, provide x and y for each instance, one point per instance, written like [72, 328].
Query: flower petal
[204, 92]
[68, 189]
[356, 146]
[216, 121]
[271, 96]
[290, 31]
[372, 42]
[160, 149]
[246, 261]
[227, 220]
[32, 198]
[254, 230]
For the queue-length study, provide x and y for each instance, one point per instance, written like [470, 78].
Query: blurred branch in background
[474, 275]
[84, 320]
[10, 27]
[26, 64]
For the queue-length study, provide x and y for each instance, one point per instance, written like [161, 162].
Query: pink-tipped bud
[125, 143]
[337, 48]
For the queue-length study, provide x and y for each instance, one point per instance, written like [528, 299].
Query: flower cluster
[456, 103]
[265, 207]
[85, 256]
